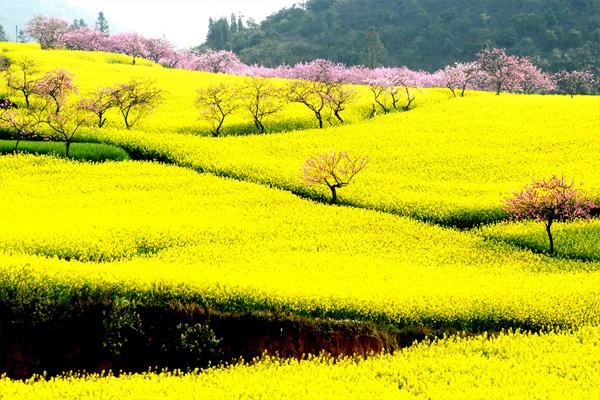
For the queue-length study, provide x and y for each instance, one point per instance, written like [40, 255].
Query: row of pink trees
[493, 70]
[497, 71]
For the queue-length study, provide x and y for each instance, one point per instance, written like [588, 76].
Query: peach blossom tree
[549, 201]
[333, 169]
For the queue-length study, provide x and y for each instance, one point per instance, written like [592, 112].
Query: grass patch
[94, 152]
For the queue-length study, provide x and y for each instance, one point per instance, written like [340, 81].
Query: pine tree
[22, 36]
[102, 23]
[3, 37]
[217, 37]
[233, 27]
[375, 50]
[75, 25]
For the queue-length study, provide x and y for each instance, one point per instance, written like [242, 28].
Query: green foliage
[197, 343]
[122, 324]
[3, 37]
[427, 34]
[102, 23]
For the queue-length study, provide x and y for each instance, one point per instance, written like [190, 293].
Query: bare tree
[66, 123]
[380, 92]
[261, 98]
[215, 104]
[20, 77]
[135, 99]
[338, 97]
[310, 93]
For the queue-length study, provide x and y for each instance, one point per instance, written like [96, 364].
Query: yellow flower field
[230, 226]
[220, 237]
[450, 160]
[178, 113]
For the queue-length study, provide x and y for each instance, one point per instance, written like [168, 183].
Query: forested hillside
[421, 34]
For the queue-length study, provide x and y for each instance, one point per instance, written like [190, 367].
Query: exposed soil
[154, 340]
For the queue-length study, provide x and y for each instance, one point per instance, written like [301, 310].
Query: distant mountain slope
[424, 34]
[18, 13]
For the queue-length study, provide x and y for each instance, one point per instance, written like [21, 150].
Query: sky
[183, 22]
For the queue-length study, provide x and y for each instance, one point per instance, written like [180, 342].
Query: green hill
[425, 34]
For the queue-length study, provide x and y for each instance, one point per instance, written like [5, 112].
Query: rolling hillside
[158, 276]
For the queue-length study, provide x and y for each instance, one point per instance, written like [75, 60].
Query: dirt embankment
[185, 337]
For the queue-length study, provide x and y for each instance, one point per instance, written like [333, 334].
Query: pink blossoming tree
[549, 201]
[54, 87]
[129, 43]
[48, 31]
[333, 169]
[461, 76]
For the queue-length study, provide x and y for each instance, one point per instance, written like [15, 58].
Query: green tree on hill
[102, 23]
[22, 36]
[420, 34]
[3, 37]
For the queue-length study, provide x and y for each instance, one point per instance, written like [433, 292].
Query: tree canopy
[423, 34]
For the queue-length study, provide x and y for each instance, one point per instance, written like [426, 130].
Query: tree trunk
[259, 125]
[126, 118]
[320, 118]
[373, 112]
[409, 100]
[17, 146]
[218, 128]
[67, 147]
[333, 195]
[337, 115]
[549, 231]
[394, 102]
[384, 108]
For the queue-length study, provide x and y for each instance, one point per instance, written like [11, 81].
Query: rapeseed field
[223, 227]
[511, 365]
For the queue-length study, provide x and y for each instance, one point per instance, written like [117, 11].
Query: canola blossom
[509, 366]
[455, 169]
[240, 241]
[147, 225]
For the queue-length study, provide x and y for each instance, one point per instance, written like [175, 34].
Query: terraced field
[136, 264]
